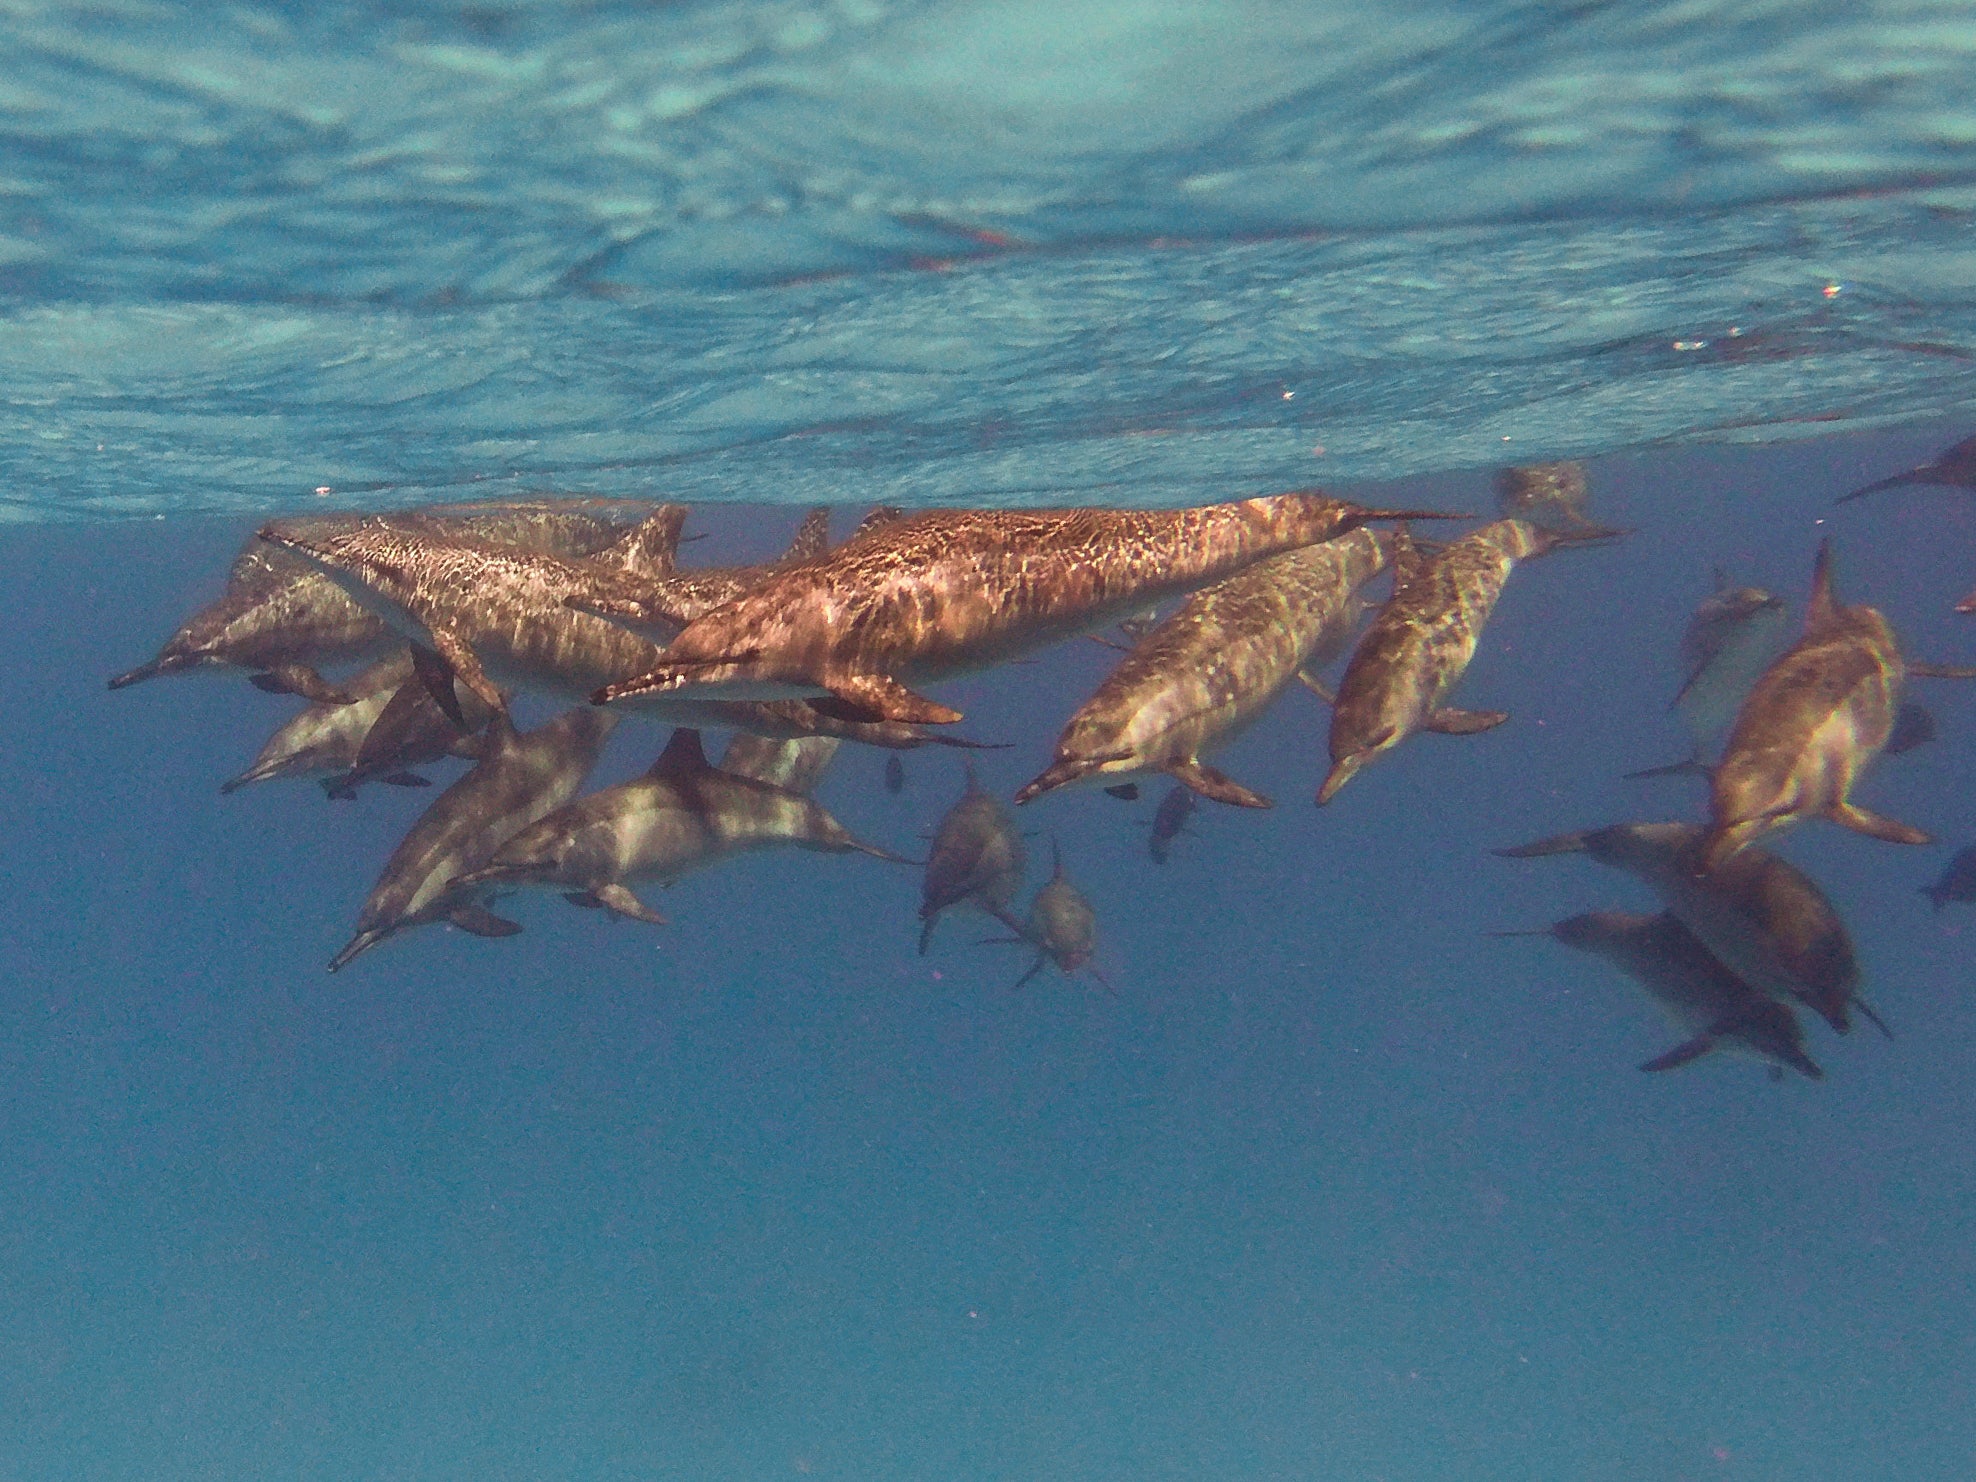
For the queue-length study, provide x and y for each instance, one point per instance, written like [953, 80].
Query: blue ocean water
[1337, 1185]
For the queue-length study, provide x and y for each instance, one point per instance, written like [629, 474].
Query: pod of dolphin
[447, 613]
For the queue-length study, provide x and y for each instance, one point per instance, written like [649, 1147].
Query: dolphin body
[1203, 676]
[1422, 641]
[1061, 926]
[326, 737]
[682, 815]
[280, 615]
[1707, 1002]
[1761, 916]
[977, 859]
[948, 592]
[518, 779]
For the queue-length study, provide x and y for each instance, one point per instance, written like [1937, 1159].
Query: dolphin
[1061, 926]
[1202, 677]
[1814, 720]
[1957, 881]
[948, 592]
[977, 859]
[1707, 1002]
[327, 737]
[682, 815]
[1761, 915]
[1421, 642]
[795, 765]
[518, 779]
[280, 616]
[413, 729]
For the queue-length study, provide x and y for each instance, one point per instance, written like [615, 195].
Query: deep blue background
[1335, 1186]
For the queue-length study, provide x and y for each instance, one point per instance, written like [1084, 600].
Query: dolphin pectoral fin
[298, 679]
[433, 672]
[1683, 1053]
[1914, 726]
[1875, 826]
[482, 922]
[881, 697]
[1317, 687]
[1555, 844]
[1941, 671]
[405, 779]
[1451, 722]
[1216, 785]
[1125, 792]
[467, 671]
[583, 898]
[1034, 968]
[339, 789]
[620, 901]
[468, 747]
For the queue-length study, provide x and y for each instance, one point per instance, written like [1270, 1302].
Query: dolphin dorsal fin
[1823, 606]
[812, 536]
[877, 518]
[501, 736]
[651, 547]
[683, 755]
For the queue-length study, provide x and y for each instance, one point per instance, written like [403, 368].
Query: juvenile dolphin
[977, 859]
[1203, 676]
[948, 592]
[1061, 926]
[1955, 467]
[1707, 1002]
[326, 738]
[1810, 725]
[280, 616]
[412, 730]
[681, 815]
[1761, 915]
[1552, 495]
[1421, 643]
[518, 779]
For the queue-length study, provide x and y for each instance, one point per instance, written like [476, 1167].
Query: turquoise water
[1337, 1185]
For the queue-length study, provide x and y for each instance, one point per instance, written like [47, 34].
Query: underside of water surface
[784, 251]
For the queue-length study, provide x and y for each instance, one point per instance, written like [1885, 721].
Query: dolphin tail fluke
[1555, 844]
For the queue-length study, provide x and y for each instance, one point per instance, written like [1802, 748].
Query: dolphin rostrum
[947, 592]
[1421, 642]
[518, 779]
[1761, 915]
[681, 815]
[1204, 675]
